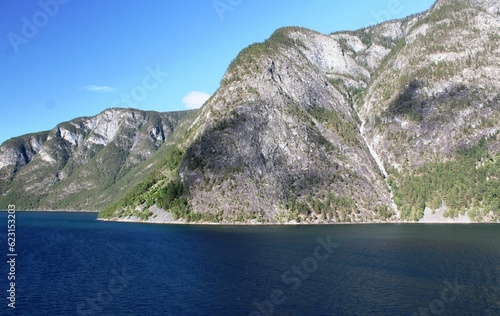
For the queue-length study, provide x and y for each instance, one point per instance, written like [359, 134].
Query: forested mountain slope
[386, 123]
[309, 127]
[78, 164]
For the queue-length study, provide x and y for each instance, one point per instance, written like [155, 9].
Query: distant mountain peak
[96, 151]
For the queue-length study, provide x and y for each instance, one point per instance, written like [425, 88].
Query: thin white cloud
[195, 99]
[95, 88]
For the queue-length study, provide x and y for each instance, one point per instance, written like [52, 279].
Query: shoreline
[126, 220]
[55, 211]
[292, 224]
[159, 217]
[164, 218]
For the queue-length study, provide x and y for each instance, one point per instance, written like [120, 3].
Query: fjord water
[71, 264]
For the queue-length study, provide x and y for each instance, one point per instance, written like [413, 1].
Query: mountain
[278, 141]
[394, 122]
[431, 112]
[78, 165]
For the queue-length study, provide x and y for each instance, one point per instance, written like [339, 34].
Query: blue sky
[62, 59]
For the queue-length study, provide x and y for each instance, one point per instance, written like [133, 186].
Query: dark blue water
[71, 264]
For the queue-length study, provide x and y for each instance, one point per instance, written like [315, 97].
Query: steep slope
[306, 127]
[432, 112]
[280, 140]
[74, 165]
[386, 123]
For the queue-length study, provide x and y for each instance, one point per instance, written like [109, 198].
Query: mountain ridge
[388, 123]
[225, 168]
[42, 170]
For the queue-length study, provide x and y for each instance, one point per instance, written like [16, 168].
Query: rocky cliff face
[383, 123]
[72, 165]
[386, 123]
[439, 90]
[280, 138]
[433, 107]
